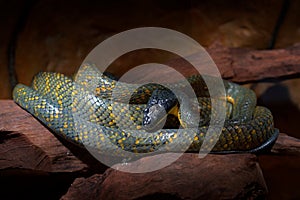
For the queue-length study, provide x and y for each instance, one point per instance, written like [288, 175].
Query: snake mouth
[160, 105]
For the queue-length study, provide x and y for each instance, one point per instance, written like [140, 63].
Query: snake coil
[82, 112]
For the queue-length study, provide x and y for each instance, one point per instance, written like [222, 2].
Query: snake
[84, 110]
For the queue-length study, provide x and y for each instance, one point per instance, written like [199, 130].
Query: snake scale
[85, 112]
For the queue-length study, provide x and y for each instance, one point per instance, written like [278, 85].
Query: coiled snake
[86, 113]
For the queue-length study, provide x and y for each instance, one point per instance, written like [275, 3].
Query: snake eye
[157, 108]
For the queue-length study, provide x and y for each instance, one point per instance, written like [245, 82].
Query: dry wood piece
[252, 65]
[281, 168]
[28, 147]
[235, 64]
[26, 144]
[246, 65]
[286, 145]
[213, 177]
[85, 188]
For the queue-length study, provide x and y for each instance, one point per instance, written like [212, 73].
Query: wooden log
[255, 65]
[234, 64]
[248, 65]
[286, 145]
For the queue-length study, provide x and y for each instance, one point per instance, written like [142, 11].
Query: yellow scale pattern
[82, 110]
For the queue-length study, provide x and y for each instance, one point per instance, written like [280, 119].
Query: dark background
[57, 35]
[54, 35]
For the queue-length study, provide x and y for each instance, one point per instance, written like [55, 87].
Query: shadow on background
[280, 171]
[286, 114]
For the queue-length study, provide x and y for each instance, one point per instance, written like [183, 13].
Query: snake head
[160, 104]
